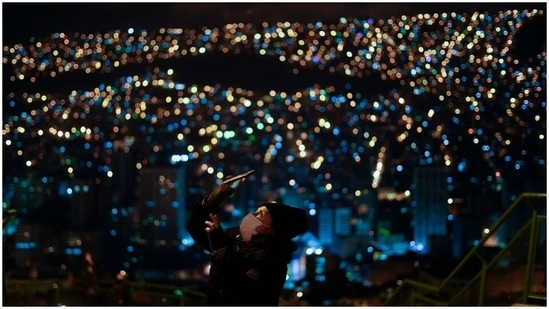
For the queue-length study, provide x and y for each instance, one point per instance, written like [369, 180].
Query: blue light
[73, 251]
[25, 245]
[462, 166]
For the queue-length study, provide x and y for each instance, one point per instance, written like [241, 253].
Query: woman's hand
[212, 225]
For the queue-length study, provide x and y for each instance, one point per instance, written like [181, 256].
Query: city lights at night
[390, 128]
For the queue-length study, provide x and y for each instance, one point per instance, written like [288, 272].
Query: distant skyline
[21, 20]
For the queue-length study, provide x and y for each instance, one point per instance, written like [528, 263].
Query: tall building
[326, 226]
[429, 206]
[160, 214]
[343, 218]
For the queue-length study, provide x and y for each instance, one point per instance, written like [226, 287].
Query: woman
[249, 263]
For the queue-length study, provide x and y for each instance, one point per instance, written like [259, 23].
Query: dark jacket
[241, 273]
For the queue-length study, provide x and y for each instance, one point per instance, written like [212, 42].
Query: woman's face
[262, 213]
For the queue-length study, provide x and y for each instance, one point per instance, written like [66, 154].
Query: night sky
[22, 20]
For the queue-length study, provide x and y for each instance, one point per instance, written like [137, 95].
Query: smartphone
[234, 184]
[234, 181]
